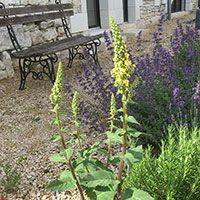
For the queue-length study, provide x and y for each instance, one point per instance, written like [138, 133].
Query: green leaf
[72, 132]
[37, 119]
[135, 194]
[99, 178]
[115, 159]
[91, 149]
[133, 155]
[68, 153]
[133, 132]
[64, 129]
[66, 174]
[120, 110]
[55, 138]
[131, 119]
[103, 151]
[54, 122]
[120, 131]
[114, 138]
[69, 141]
[57, 158]
[108, 195]
[60, 186]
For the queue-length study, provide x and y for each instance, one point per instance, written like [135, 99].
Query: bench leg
[73, 52]
[23, 74]
[92, 48]
[47, 69]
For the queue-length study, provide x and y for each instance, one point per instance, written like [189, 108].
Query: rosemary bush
[175, 174]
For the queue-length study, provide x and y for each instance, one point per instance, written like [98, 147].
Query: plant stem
[75, 178]
[79, 140]
[77, 133]
[64, 146]
[110, 143]
[121, 165]
[59, 127]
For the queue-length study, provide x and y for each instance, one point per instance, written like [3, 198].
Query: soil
[25, 123]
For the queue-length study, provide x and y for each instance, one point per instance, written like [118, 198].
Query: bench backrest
[31, 14]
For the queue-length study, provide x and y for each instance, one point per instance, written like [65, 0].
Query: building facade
[89, 14]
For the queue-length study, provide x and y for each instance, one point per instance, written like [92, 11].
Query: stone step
[127, 26]
[134, 32]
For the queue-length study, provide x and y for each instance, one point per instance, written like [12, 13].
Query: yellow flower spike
[56, 94]
[75, 104]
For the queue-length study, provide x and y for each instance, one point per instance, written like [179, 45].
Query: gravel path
[25, 125]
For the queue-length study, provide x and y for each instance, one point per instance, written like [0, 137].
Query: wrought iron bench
[45, 54]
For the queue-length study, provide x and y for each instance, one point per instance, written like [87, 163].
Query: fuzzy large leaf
[55, 138]
[66, 175]
[68, 153]
[99, 178]
[57, 158]
[114, 137]
[108, 195]
[61, 186]
[132, 120]
[133, 155]
[135, 194]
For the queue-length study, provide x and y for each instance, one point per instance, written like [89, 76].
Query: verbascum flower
[113, 105]
[75, 105]
[123, 68]
[56, 94]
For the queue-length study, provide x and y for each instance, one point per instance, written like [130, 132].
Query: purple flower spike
[55, 195]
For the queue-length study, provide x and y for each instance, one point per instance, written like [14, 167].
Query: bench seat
[53, 47]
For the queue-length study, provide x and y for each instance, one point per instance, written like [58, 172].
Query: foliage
[175, 174]
[12, 177]
[165, 96]
[86, 172]
[167, 79]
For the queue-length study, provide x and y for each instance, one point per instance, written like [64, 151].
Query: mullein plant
[65, 154]
[86, 172]
[122, 72]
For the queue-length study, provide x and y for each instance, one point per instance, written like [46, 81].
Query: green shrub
[175, 174]
[11, 179]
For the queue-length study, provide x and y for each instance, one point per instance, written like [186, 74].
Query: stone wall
[28, 35]
[150, 13]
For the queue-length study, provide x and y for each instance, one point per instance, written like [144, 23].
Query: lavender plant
[165, 92]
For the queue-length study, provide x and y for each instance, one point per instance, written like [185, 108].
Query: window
[93, 13]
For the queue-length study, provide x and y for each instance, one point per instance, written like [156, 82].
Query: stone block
[36, 2]
[37, 37]
[46, 24]
[57, 22]
[24, 38]
[23, 2]
[6, 60]
[30, 27]
[3, 75]
[2, 66]
[50, 34]
[4, 40]
[60, 31]
[6, 68]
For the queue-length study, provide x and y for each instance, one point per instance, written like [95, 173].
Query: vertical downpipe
[197, 21]
[169, 9]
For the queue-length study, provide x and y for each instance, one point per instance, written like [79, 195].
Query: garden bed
[25, 123]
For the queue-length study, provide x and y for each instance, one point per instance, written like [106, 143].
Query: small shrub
[175, 174]
[10, 182]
